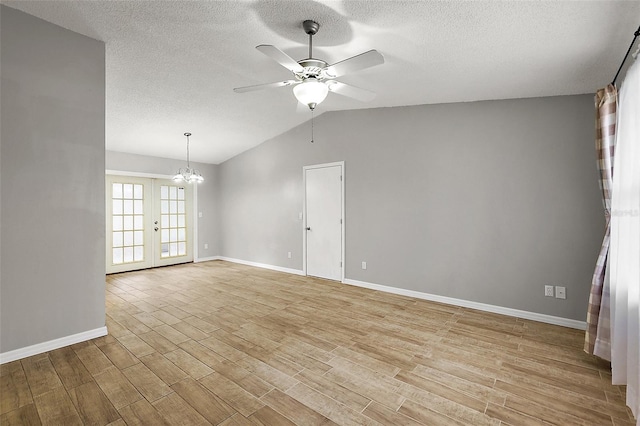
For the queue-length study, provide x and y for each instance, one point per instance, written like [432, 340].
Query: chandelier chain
[188, 163]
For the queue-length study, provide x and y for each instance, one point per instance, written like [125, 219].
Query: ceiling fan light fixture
[311, 92]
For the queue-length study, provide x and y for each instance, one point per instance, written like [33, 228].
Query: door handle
[308, 228]
[155, 229]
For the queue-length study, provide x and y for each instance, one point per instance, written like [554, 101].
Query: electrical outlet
[289, 254]
[206, 246]
[364, 265]
[548, 290]
[561, 292]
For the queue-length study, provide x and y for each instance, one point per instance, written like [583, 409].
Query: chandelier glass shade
[311, 92]
[188, 174]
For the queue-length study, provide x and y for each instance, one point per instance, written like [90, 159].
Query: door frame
[194, 213]
[304, 214]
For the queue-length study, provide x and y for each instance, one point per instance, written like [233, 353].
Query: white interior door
[324, 221]
[148, 223]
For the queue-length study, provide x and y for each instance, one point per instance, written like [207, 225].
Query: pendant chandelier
[188, 174]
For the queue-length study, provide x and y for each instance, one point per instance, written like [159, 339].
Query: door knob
[155, 229]
[155, 223]
[308, 228]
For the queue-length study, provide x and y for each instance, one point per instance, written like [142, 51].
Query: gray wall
[208, 224]
[51, 182]
[485, 201]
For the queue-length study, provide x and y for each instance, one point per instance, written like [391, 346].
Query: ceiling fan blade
[350, 91]
[355, 63]
[280, 57]
[265, 86]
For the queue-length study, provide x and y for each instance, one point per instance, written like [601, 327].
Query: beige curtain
[597, 336]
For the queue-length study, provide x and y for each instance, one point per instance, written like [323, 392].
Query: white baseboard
[534, 316]
[51, 345]
[206, 259]
[262, 265]
[549, 319]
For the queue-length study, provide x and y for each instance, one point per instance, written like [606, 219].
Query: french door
[148, 223]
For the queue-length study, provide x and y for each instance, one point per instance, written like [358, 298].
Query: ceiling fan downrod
[310, 27]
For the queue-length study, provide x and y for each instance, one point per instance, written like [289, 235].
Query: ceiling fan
[314, 78]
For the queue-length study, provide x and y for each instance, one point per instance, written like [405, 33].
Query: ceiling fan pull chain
[311, 126]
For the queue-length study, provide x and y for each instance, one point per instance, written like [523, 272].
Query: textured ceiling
[172, 65]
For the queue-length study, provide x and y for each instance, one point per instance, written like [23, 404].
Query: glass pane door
[148, 223]
[129, 230]
[174, 222]
[173, 208]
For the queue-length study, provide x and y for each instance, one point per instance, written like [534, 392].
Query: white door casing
[323, 234]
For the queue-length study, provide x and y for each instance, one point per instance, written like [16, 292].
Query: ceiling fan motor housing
[313, 68]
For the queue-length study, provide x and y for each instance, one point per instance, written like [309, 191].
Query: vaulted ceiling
[172, 65]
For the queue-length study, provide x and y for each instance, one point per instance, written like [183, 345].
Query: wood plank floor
[225, 344]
